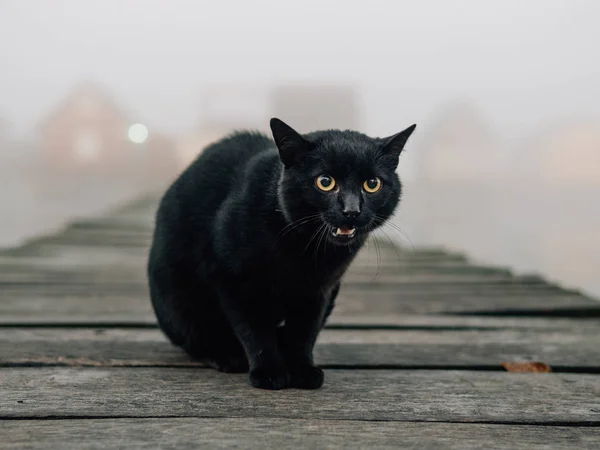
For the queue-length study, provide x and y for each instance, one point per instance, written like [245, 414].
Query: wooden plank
[61, 265]
[118, 313]
[107, 224]
[268, 433]
[47, 247]
[137, 276]
[76, 309]
[353, 301]
[459, 322]
[123, 230]
[461, 302]
[376, 251]
[335, 348]
[404, 288]
[89, 241]
[61, 257]
[370, 252]
[418, 395]
[46, 306]
[127, 310]
[73, 252]
[65, 262]
[424, 287]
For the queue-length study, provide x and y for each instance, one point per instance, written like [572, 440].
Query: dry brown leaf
[526, 366]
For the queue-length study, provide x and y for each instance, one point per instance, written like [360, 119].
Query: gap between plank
[591, 312]
[590, 370]
[550, 423]
[334, 326]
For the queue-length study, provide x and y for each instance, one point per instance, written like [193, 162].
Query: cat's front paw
[307, 377]
[272, 378]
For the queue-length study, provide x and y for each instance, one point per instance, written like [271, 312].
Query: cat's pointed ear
[394, 145]
[288, 141]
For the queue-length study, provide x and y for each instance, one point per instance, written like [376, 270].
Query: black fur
[244, 267]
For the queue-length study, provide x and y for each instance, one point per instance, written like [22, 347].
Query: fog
[504, 165]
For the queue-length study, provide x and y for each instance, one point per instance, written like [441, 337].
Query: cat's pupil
[372, 183]
[326, 181]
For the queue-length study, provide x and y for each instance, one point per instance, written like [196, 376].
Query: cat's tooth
[340, 232]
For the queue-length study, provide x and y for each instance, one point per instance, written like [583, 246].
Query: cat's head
[343, 182]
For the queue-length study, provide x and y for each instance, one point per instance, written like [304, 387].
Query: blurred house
[312, 107]
[458, 147]
[15, 155]
[230, 107]
[7, 142]
[224, 109]
[6, 151]
[87, 131]
[160, 162]
[570, 251]
[4, 131]
[562, 156]
[86, 137]
[191, 144]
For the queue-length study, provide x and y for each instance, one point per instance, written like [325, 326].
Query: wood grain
[265, 433]
[97, 372]
[461, 396]
[335, 348]
[79, 304]
[55, 267]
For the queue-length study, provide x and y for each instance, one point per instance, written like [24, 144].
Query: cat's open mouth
[343, 232]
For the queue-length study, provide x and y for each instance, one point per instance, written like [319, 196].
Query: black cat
[252, 240]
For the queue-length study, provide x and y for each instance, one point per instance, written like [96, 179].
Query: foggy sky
[523, 61]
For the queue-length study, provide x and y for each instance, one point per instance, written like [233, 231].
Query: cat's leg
[211, 339]
[330, 304]
[218, 348]
[189, 315]
[259, 340]
[267, 367]
[297, 340]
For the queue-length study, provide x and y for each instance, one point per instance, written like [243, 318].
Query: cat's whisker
[403, 236]
[378, 251]
[314, 236]
[298, 224]
[322, 232]
[399, 230]
[371, 228]
[392, 243]
[325, 242]
[294, 225]
[323, 236]
[402, 233]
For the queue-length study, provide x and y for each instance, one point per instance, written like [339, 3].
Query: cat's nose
[351, 212]
[350, 205]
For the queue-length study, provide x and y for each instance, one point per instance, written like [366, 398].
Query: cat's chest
[307, 274]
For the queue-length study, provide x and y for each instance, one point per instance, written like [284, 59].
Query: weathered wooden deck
[414, 355]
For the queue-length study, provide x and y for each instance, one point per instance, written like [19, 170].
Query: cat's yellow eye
[372, 185]
[325, 183]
